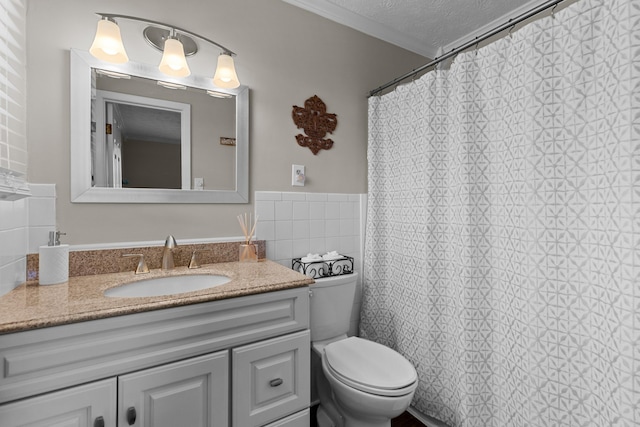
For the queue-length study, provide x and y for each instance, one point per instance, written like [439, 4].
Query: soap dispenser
[53, 262]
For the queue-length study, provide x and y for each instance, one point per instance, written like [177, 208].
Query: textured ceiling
[421, 26]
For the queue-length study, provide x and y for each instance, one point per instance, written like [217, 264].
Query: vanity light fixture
[175, 43]
[216, 94]
[170, 85]
[113, 74]
[173, 62]
[107, 44]
[225, 75]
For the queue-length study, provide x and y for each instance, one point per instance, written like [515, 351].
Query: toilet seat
[370, 367]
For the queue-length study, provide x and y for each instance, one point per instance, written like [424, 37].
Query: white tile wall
[13, 244]
[295, 224]
[24, 226]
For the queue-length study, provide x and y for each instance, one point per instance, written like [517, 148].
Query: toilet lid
[370, 366]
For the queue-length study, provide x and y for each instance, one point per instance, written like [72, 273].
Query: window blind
[13, 142]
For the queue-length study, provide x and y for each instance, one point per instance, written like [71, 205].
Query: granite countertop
[32, 306]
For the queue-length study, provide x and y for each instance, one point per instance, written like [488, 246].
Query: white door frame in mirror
[103, 97]
[80, 131]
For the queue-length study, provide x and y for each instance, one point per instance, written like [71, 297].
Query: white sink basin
[167, 286]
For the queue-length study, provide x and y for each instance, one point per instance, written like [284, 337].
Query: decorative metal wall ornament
[316, 122]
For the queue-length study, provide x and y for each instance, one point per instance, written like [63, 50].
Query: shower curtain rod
[509, 24]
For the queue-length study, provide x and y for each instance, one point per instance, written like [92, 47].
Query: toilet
[361, 383]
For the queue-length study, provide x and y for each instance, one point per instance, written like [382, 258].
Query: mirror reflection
[214, 136]
[140, 158]
[145, 135]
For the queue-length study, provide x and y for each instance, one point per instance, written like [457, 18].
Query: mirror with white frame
[124, 163]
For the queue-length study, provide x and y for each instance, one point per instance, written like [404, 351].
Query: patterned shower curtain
[502, 251]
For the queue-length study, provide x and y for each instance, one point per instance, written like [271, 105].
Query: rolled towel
[331, 256]
[311, 258]
[341, 267]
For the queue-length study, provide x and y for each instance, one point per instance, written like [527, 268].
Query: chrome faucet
[167, 254]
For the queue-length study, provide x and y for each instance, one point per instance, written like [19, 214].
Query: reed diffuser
[248, 251]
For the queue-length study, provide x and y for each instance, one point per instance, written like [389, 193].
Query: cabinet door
[192, 392]
[91, 405]
[270, 379]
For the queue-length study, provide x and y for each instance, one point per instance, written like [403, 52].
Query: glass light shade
[107, 44]
[173, 62]
[225, 75]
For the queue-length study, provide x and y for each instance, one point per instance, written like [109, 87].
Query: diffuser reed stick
[248, 251]
[248, 225]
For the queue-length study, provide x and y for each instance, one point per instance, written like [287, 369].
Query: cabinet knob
[276, 382]
[98, 422]
[131, 416]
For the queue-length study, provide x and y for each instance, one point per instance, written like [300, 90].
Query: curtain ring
[477, 43]
[553, 11]
[511, 30]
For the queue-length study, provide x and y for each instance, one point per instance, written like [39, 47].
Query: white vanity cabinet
[270, 378]
[192, 392]
[239, 362]
[91, 405]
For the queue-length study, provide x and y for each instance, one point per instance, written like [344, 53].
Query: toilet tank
[330, 305]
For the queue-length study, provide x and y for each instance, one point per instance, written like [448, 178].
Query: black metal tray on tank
[324, 268]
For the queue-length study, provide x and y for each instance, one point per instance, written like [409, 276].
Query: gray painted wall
[285, 55]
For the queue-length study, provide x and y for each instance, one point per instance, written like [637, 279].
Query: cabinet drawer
[270, 379]
[299, 419]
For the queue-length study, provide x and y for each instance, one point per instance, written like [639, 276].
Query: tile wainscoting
[24, 226]
[295, 224]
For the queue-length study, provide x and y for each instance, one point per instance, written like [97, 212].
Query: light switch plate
[297, 175]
